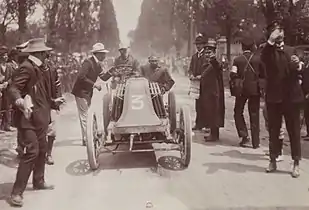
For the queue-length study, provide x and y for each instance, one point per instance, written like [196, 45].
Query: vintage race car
[134, 113]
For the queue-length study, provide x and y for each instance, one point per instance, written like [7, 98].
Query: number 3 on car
[137, 102]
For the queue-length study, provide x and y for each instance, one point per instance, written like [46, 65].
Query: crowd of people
[33, 79]
[273, 72]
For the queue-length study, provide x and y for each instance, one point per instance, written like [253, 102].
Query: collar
[35, 60]
[247, 51]
[95, 58]
[199, 52]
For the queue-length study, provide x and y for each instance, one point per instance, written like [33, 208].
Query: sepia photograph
[154, 104]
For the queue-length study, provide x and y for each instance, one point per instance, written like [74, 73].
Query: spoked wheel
[172, 111]
[94, 141]
[185, 135]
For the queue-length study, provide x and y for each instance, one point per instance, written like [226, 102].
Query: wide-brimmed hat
[36, 45]
[22, 46]
[99, 48]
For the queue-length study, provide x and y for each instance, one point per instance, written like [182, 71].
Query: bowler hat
[99, 48]
[200, 39]
[36, 45]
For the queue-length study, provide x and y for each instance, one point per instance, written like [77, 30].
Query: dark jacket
[32, 80]
[159, 75]
[282, 78]
[197, 64]
[250, 74]
[88, 75]
[212, 95]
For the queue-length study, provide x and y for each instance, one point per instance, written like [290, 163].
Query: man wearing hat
[197, 65]
[31, 94]
[212, 93]
[245, 74]
[155, 73]
[283, 94]
[126, 59]
[6, 71]
[86, 82]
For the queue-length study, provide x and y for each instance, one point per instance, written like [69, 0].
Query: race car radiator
[157, 101]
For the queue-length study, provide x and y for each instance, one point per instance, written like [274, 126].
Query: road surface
[220, 176]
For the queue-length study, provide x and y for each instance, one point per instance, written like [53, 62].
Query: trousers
[254, 113]
[33, 160]
[199, 116]
[291, 113]
[82, 108]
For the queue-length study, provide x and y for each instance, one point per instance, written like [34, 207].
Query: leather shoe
[16, 200]
[49, 160]
[272, 167]
[295, 172]
[244, 142]
[43, 186]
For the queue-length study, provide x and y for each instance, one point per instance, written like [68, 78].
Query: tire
[185, 135]
[106, 111]
[93, 142]
[172, 111]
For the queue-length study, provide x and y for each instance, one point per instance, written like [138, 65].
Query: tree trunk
[22, 24]
[52, 23]
[2, 34]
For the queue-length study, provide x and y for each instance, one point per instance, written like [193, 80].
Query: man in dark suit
[155, 73]
[86, 81]
[197, 65]
[212, 93]
[245, 72]
[31, 94]
[283, 94]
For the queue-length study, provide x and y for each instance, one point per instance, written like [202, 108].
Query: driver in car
[156, 73]
[126, 61]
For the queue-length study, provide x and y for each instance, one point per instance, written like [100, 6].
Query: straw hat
[99, 48]
[36, 45]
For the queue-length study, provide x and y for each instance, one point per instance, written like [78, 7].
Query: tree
[108, 31]
[7, 15]
[25, 9]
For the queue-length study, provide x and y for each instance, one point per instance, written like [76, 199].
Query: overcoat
[212, 95]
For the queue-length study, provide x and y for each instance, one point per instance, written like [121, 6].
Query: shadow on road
[239, 155]
[118, 161]
[234, 167]
[171, 163]
[259, 208]
[68, 143]
[8, 158]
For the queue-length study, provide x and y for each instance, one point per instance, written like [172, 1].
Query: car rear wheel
[185, 135]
